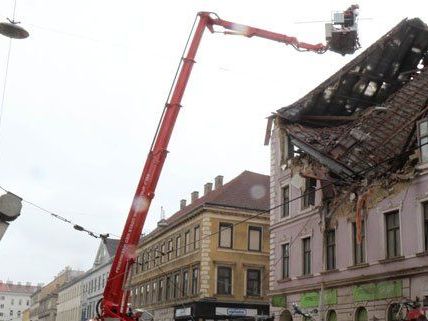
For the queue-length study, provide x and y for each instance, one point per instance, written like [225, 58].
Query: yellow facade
[203, 254]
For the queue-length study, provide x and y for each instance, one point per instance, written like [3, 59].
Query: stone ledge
[425, 253]
[284, 280]
[329, 271]
[358, 266]
[392, 259]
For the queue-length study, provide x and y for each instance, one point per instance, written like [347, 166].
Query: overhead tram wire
[77, 227]
[357, 174]
[97, 235]
[296, 237]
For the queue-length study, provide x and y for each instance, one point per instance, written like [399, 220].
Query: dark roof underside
[370, 78]
[390, 75]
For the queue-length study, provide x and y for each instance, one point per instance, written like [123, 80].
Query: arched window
[361, 314]
[394, 312]
[285, 316]
[331, 315]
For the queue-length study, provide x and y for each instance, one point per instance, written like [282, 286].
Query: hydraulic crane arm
[114, 303]
[247, 31]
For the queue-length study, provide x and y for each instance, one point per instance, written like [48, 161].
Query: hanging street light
[12, 30]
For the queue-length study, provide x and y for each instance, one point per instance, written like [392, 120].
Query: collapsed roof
[366, 112]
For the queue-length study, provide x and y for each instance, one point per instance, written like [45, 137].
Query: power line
[77, 227]
[403, 154]
[406, 153]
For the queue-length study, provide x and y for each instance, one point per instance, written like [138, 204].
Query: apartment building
[94, 280]
[14, 299]
[210, 259]
[349, 184]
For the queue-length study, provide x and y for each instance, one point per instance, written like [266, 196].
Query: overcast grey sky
[85, 91]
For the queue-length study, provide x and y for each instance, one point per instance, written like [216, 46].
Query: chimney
[208, 187]
[218, 182]
[182, 204]
[194, 196]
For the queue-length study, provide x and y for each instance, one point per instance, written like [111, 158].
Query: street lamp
[12, 30]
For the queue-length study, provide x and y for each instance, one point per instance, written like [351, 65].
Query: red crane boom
[113, 305]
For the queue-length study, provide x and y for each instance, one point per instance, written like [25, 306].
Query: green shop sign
[312, 299]
[377, 291]
[279, 301]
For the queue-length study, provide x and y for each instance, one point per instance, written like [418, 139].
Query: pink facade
[410, 267]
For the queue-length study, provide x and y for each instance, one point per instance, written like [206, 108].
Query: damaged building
[349, 187]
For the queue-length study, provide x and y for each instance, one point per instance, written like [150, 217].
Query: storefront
[213, 310]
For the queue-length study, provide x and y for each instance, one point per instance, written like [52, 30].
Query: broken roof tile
[388, 74]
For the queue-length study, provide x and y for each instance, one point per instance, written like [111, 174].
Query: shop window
[425, 210]
[224, 280]
[331, 315]
[196, 237]
[254, 238]
[306, 242]
[285, 261]
[285, 201]
[253, 282]
[185, 283]
[225, 235]
[195, 280]
[423, 140]
[187, 242]
[359, 251]
[392, 234]
[309, 192]
[361, 314]
[330, 237]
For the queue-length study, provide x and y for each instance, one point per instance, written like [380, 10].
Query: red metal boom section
[115, 296]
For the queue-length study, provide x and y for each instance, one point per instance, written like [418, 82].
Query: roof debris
[365, 114]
